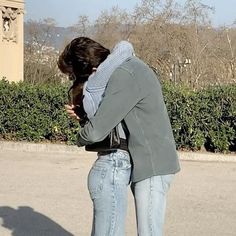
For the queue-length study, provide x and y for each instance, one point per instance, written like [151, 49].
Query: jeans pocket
[122, 172]
[122, 160]
[166, 181]
[96, 181]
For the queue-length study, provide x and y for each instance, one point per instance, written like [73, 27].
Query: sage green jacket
[133, 94]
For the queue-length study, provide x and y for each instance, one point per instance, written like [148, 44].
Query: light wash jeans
[150, 204]
[108, 182]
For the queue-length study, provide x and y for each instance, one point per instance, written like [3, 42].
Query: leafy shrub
[218, 117]
[35, 113]
[205, 118]
[183, 107]
[200, 119]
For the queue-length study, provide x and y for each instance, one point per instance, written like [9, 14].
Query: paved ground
[44, 194]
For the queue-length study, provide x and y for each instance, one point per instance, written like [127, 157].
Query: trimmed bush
[35, 113]
[200, 119]
[203, 119]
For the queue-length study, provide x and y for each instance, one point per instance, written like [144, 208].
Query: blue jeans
[150, 204]
[108, 182]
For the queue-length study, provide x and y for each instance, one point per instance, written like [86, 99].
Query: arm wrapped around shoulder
[121, 96]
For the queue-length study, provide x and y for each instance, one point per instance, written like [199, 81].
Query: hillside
[52, 36]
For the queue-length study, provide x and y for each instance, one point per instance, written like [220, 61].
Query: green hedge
[35, 113]
[201, 119]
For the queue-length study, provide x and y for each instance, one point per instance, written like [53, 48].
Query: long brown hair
[81, 55]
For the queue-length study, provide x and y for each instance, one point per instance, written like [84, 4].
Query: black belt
[123, 146]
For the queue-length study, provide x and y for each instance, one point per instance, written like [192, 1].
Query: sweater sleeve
[121, 96]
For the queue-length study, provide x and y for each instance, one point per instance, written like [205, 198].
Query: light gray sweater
[95, 86]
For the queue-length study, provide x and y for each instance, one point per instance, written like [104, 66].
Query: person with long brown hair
[85, 61]
[122, 89]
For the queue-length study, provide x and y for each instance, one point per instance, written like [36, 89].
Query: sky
[67, 12]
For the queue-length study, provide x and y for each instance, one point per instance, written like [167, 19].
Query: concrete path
[43, 193]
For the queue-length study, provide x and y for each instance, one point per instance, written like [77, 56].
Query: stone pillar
[11, 39]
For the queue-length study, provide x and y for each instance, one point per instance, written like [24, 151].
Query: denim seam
[113, 207]
[113, 196]
[150, 206]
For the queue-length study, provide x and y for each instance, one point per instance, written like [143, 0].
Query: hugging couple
[115, 89]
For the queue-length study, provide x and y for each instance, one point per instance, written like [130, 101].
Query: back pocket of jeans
[96, 179]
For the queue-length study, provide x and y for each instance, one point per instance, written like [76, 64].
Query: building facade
[11, 40]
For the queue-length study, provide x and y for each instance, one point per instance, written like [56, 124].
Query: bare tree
[113, 25]
[83, 26]
[40, 58]
[177, 39]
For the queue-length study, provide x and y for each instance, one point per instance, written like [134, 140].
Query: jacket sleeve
[121, 96]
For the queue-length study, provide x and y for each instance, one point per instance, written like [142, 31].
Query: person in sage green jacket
[133, 95]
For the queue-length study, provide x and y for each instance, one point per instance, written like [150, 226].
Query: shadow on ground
[24, 221]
